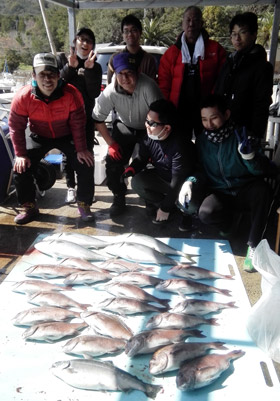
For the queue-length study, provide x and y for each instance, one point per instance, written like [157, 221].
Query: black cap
[87, 32]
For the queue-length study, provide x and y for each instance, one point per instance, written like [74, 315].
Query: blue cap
[124, 61]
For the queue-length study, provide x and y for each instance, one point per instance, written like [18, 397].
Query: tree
[155, 33]
[13, 59]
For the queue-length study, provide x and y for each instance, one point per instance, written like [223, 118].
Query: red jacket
[171, 69]
[63, 115]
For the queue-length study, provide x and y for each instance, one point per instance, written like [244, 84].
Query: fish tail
[236, 354]
[225, 292]
[213, 322]
[195, 333]
[85, 306]
[68, 288]
[164, 302]
[228, 276]
[152, 390]
[219, 345]
[231, 305]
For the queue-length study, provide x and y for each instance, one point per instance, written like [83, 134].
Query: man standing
[130, 95]
[188, 70]
[55, 113]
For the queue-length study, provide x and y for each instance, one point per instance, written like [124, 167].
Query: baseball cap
[88, 32]
[124, 61]
[45, 62]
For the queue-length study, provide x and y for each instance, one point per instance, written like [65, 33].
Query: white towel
[198, 50]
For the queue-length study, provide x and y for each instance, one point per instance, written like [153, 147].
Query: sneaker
[71, 196]
[248, 262]
[118, 205]
[84, 211]
[186, 223]
[29, 213]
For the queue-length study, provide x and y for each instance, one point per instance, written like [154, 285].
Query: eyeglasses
[85, 39]
[153, 124]
[48, 75]
[132, 31]
[239, 34]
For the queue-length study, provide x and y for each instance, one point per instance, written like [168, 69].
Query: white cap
[45, 61]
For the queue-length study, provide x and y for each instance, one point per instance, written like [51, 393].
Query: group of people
[190, 137]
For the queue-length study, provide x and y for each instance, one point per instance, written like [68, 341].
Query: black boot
[118, 205]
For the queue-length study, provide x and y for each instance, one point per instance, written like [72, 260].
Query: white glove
[185, 195]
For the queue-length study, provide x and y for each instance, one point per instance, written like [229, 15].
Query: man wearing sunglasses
[130, 95]
[170, 157]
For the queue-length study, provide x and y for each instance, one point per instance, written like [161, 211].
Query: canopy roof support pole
[51, 42]
[71, 24]
[274, 34]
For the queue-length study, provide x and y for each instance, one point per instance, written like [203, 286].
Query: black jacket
[246, 80]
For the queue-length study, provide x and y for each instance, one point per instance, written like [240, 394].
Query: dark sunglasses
[153, 124]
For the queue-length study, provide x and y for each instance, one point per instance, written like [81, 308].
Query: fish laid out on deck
[32, 286]
[187, 287]
[137, 278]
[127, 306]
[50, 298]
[196, 273]
[52, 331]
[47, 271]
[167, 320]
[44, 314]
[86, 277]
[200, 307]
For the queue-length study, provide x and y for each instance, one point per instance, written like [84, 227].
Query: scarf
[220, 134]
[198, 50]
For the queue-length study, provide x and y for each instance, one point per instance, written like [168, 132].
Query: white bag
[264, 320]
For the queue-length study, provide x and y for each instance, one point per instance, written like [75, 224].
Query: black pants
[24, 182]
[127, 138]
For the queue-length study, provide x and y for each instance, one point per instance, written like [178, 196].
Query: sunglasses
[153, 124]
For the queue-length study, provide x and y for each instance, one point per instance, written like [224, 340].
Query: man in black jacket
[246, 78]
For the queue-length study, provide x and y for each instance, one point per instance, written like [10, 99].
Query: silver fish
[48, 271]
[86, 277]
[203, 371]
[187, 287]
[89, 346]
[52, 331]
[200, 306]
[107, 325]
[83, 264]
[127, 306]
[138, 253]
[120, 266]
[31, 286]
[171, 356]
[44, 298]
[80, 239]
[132, 291]
[44, 314]
[96, 375]
[168, 320]
[196, 273]
[137, 278]
[66, 249]
[151, 340]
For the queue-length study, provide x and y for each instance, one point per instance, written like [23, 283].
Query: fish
[31, 286]
[187, 287]
[100, 376]
[151, 242]
[151, 340]
[200, 306]
[201, 372]
[90, 346]
[66, 249]
[121, 266]
[48, 298]
[167, 320]
[77, 238]
[107, 325]
[172, 356]
[137, 278]
[127, 306]
[52, 331]
[196, 273]
[132, 291]
[138, 253]
[49, 271]
[44, 314]
[86, 277]
[82, 264]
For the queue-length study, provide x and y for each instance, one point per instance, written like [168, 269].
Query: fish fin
[85, 306]
[152, 390]
[232, 305]
[228, 276]
[164, 302]
[195, 333]
[67, 288]
[213, 322]
[226, 292]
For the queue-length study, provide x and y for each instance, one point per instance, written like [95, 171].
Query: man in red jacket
[188, 70]
[56, 117]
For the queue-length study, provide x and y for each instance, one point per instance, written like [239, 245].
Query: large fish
[90, 346]
[44, 314]
[138, 253]
[168, 320]
[151, 340]
[48, 271]
[107, 325]
[52, 331]
[186, 287]
[132, 291]
[80, 239]
[101, 376]
[137, 278]
[66, 249]
[200, 306]
[31, 286]
[203, 371]
[127, 306]
[86, 277]
[120, 266]
[171, 356]
[196, 273]
[49, 298]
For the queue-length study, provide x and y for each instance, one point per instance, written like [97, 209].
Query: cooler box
[57, 161]
[100, 152]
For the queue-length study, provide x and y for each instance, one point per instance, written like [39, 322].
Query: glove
[128, 172]
[185, 195]
[245, 147]
[114, 151]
